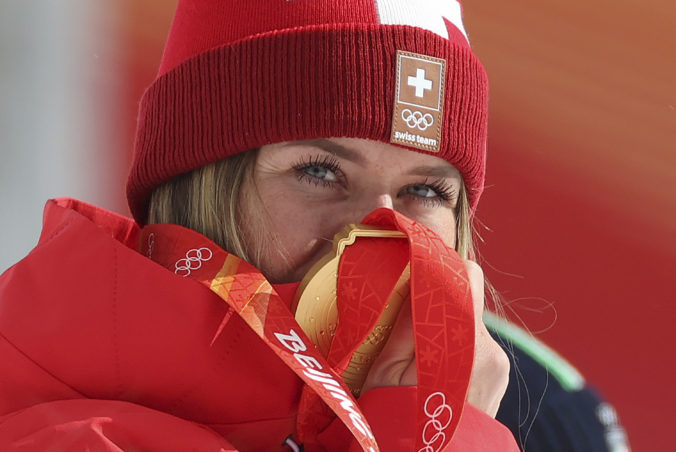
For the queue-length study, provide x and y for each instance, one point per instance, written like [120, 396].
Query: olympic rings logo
[192, 261]
[433, 435]
[415, 119]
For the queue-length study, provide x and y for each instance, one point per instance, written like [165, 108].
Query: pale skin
[302, 193]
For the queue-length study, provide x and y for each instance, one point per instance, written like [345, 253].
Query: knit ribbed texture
[310, 82]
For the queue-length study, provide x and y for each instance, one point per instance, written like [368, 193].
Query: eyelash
[445, 192]
[327, 161]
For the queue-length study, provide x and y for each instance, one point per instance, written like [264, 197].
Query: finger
[392, 366]
[490, 373]
[402, 344]
[476, 284]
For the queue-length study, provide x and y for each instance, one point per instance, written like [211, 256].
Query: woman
[271, 126]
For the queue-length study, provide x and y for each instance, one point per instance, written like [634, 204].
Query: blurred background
[579, 215]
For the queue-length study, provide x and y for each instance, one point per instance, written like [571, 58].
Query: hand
[395, 366]
[490, 374]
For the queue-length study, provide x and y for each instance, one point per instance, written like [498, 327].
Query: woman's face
[304, 192]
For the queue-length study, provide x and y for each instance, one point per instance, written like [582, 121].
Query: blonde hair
[207, 201]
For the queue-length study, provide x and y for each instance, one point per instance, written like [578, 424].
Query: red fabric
[241, 76]
[252, 298]
[103, 425]
[102, 348]
[393, 410]
[201, 25]
[86, 316]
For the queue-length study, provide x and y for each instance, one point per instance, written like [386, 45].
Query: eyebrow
[330, 147]
[435, 171]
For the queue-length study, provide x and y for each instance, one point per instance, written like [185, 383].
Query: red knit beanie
[240, 74]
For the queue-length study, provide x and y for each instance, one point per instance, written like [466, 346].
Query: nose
[383, 200]
[356, 209]
[362, 205]
[370, 202]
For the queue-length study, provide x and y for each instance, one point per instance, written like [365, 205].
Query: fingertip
[473, 270]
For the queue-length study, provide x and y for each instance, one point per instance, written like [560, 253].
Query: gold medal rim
[315, 304]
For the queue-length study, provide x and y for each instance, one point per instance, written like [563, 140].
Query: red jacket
[101, 349]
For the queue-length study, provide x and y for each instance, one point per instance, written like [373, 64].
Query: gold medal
[316, 309]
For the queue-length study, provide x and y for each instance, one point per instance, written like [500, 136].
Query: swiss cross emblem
[420, 83]
[418, 104]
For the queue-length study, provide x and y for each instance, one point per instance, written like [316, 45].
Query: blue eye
[431, 193]
[324, 170]
[422, 191]
[320, 172]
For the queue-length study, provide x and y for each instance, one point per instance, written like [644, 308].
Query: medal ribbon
[443, 324]
[189, 254]
[442, 315]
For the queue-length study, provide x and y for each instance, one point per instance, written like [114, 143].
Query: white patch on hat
[426, 14]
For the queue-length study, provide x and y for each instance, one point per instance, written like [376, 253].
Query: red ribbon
[443, 321]
[441, 309]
